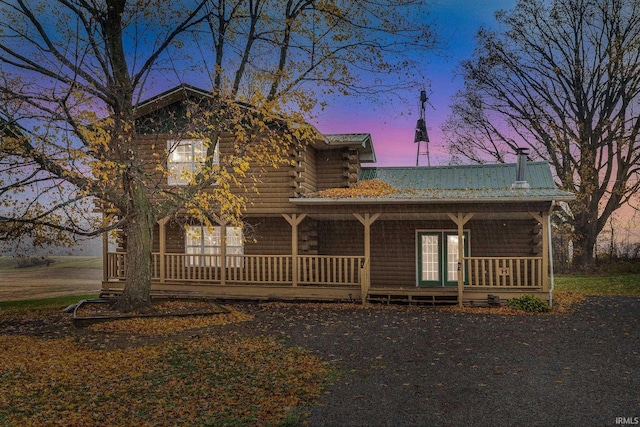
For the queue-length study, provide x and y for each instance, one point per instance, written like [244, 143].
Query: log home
[332, 226]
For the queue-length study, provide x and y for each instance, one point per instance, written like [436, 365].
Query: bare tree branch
[565, 78]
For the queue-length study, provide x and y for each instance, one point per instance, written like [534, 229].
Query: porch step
[412, 296]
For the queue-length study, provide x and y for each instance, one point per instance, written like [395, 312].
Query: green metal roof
[457, 184]
[461, 177]
[492, 181]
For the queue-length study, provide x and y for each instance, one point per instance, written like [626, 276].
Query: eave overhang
[178, 93]
[361, 141]
[313, 201]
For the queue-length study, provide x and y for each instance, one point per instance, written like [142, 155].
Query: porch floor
[376, 294]
[242, 291]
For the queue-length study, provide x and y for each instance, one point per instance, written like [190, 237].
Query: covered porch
[347, 276]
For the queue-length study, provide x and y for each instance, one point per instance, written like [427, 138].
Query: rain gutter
[550, 243]
[390, 200]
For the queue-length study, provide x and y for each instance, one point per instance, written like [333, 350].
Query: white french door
[438, 258]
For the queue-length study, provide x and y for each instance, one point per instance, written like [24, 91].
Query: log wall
[337, 168]
[268, 236]
[393, 243]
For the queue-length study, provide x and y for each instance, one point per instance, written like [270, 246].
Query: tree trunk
[585, 236]
[583, 252]
[139, 240]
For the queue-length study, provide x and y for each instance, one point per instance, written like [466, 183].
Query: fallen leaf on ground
[168, 325]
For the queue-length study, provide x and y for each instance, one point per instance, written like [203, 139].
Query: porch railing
[504, 272]
[492, 272]
[329, 270]
[189, 268]
[271, 269]
[247, 269]
[116, 262]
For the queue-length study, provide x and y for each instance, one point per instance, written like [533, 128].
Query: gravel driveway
[407, 366]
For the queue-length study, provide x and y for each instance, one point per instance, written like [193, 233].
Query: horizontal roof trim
[392, 200]
[348, 138]
[167, 97]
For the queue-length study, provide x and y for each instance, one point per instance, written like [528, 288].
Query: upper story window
[186, 156]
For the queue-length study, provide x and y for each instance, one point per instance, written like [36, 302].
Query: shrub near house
[528, 303]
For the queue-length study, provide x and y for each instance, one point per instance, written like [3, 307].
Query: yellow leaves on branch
[369, 188]
[220, 199]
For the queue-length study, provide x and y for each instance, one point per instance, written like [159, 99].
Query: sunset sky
[392, 126]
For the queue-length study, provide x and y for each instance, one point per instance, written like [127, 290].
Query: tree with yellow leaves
[72, 73]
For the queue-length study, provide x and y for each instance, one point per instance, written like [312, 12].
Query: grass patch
[7, 263]
[600, 284]
[42, 304]
[81, 262]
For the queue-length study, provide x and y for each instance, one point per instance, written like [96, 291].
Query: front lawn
[186, 371]
[600, 284]
[79, 262]
[182, 371]
[35, 305]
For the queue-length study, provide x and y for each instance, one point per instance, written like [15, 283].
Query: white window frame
[185, 157]
[202, 240]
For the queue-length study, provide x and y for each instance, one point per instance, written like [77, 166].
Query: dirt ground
[421, 366]
[24, 284]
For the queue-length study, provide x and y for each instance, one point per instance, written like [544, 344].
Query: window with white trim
[186, 156]
[202, 244]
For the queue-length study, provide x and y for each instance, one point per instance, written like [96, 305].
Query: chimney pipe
[521, 168]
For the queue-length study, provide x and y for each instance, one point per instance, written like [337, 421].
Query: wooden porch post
[162, 237]
[105, 252]
[223, 254]
[294, 220]
[460, 219]
[366, 221]
[543, 220]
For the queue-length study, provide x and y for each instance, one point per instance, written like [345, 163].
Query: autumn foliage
[369, 188]
[72, 123]
[151, 372]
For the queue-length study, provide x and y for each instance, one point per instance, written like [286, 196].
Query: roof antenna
[421, 137]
